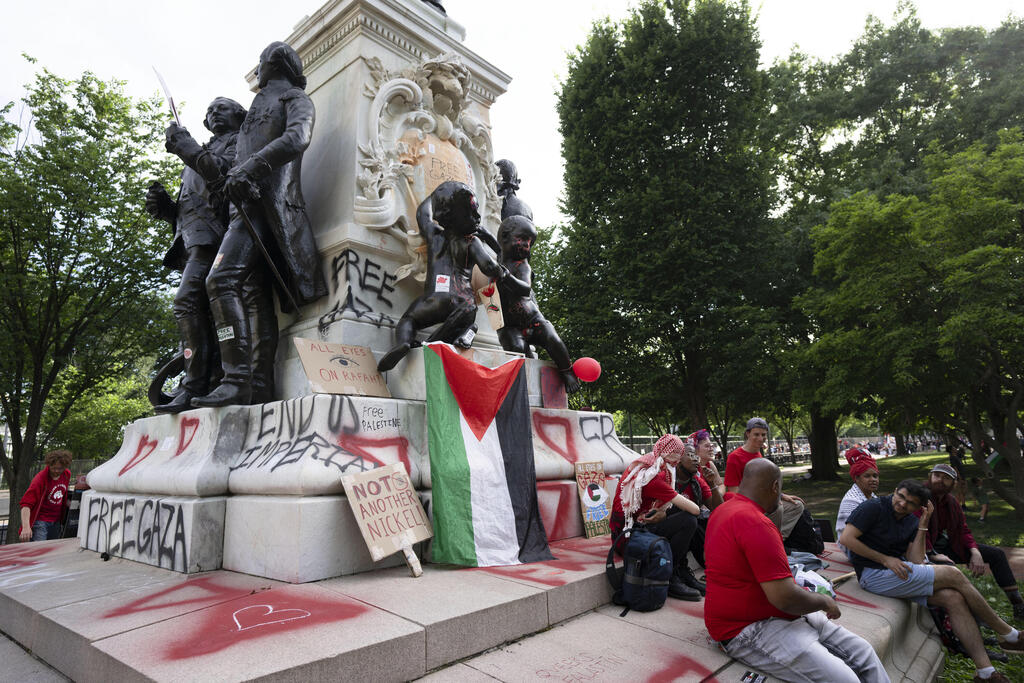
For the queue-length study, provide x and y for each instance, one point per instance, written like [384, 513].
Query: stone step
[119, 620]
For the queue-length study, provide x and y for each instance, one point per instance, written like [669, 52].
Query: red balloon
[587, 369]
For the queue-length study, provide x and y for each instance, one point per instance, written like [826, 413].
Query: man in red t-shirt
[755, 610]
[43, 504]
[788, 513]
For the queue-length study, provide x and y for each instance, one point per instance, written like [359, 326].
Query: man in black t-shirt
[887, 546]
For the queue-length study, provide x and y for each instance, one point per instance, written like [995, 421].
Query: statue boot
[195, 332]
[263, 323]
[233, 335]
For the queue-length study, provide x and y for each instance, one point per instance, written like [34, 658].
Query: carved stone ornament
[419, 134]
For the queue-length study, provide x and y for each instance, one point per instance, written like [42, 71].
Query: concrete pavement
[119, 620]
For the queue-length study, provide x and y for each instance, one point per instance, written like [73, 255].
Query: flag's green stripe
[449, 470]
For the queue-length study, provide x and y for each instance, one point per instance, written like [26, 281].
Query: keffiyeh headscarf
[644, 469]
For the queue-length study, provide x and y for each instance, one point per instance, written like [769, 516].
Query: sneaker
[685, 575]
[997, 677]
[680, 591]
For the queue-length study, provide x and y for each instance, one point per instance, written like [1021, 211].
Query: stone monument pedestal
[401, 107]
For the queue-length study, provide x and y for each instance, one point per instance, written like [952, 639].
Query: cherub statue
[449, 222]
[524, 323]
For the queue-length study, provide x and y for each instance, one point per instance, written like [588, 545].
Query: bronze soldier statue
[449, 222]
[264, 186]
[200, 218]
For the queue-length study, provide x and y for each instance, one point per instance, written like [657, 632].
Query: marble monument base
[296, 538]
[184, 534]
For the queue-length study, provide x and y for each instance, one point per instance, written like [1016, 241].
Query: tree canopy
[82, 289]
[657, 273]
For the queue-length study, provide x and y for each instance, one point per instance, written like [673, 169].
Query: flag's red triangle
[478, 390]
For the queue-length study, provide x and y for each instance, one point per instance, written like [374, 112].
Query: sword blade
[167, 96]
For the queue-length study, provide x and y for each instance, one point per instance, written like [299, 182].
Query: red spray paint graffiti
[570, 556]
[187, 432]
[263, 615]
[358, 445]
[562, 519]
[203, 591]
[142, 451]
[676, 667]
[541, 422]
[16, 557]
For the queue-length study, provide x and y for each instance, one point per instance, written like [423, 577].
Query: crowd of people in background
[739, 525]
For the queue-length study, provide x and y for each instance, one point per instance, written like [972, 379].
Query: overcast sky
[204, 47]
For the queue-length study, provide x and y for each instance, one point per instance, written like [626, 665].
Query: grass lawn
[1000, 528]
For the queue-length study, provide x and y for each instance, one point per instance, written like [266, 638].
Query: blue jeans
[45, 531]
[809, 648]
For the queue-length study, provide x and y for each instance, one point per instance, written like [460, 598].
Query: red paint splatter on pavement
[676, 667]
[196, 591]
[263, 615]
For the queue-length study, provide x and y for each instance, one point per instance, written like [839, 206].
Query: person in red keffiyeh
[43, 504]
[642, 497]
[864, 471]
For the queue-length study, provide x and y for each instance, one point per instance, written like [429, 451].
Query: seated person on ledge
[950, 541]
[754, 608]
[787, 514]
[643, 494]
[865, 482]
[881, 532]
[691, 484]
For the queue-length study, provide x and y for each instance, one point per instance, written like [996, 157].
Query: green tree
[95, 425]
[80, 278]
[922, 300]
[659, 272]
[863, 123]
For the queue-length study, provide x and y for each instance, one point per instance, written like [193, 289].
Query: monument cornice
[332, 26]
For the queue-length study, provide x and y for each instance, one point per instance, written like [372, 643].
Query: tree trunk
[901, 444]
[824, 452]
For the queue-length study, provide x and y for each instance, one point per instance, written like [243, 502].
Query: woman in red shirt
[643, 495]
[43, 503]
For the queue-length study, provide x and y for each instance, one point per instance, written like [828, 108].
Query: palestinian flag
[481, 462]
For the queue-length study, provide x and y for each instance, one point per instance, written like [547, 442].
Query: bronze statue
[268, 219]
[200, 218]
[524, 323]
[449, 222]
[511, 205]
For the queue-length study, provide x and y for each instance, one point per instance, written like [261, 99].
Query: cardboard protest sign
[341, 369]
[388, 512]
[594, 502]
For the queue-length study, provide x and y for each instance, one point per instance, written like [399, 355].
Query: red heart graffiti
[144, 444]
[189, 425]
[254, 620]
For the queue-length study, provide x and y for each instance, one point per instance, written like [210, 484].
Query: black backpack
[805, 536]
[643, 583]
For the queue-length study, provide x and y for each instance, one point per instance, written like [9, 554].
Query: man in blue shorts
[887, 546]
